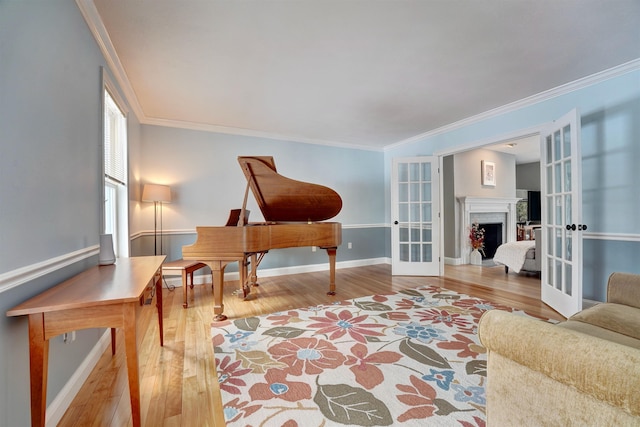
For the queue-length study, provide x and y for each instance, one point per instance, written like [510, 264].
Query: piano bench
[184, 268]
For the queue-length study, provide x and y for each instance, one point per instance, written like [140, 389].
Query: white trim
[627, 237]
[621, 237]
[180, 124]
[199, 279]
[582, 83]
[100, 33]
[453, 261]
[11, 279]
[60, 404]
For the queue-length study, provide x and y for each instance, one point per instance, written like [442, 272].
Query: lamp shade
[156, 193]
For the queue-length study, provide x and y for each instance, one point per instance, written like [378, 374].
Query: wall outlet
[349, 245]
[314, 248]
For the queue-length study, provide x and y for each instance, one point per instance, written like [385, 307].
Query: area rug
[411, 358]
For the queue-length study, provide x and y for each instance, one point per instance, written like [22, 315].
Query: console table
[101, 297]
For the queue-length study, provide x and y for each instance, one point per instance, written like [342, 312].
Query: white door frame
[441, 154]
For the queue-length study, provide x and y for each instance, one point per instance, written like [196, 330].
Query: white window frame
[115, 209]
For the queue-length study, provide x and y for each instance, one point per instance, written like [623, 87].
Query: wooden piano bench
[184, 268]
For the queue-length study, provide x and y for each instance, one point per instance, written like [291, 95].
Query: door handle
[395, 222]
[580, 227]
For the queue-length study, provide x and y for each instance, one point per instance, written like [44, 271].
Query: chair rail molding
[17, 277]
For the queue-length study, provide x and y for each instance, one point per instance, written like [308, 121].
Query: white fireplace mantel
[470, 205]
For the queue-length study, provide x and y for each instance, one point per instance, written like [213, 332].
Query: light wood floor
[178, 382]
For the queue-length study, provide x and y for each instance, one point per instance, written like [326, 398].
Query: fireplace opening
[492, 238]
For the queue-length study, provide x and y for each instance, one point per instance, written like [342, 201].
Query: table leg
[38, 367]
[332, 270]
[159, 306]
[113, 341]
[130, 345]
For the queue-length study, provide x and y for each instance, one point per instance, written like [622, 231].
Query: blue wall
[50, 180]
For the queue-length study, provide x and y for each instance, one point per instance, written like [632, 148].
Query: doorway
[523, 145]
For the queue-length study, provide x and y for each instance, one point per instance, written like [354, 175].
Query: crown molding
[254, 133]
[100, 34]
[582, 83]
[92, 17]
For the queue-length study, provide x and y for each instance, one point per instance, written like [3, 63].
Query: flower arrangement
[476, 237]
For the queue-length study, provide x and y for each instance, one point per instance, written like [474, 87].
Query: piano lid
[285, 199]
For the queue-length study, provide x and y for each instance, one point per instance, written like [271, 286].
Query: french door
[415, 213]
[561, 179]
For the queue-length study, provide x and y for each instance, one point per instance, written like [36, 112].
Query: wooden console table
[101, 297]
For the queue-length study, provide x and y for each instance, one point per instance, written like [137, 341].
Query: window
[115, 217]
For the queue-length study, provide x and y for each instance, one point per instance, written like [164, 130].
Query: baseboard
[453, 261]
[199, 279]
[59, 405]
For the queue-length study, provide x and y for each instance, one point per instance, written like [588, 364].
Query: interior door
[560, 167]
[415, 212]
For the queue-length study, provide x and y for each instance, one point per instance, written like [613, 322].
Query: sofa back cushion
[624, 288]
[619, 318]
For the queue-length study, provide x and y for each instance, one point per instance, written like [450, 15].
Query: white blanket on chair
[514, 254]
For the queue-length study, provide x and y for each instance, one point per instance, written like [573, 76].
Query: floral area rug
[410, 358]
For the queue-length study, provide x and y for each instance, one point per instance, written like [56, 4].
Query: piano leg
[253, 280]
[217, 274]
[244, 283]
[332, 270]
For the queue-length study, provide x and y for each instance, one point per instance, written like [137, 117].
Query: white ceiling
[365, 73]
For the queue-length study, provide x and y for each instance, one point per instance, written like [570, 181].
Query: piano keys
[295, 214]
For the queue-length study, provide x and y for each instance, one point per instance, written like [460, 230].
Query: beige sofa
[582, 372]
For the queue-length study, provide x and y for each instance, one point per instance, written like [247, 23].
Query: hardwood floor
[178, 381]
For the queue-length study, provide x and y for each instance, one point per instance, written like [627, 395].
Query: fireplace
[486, 210]
[492, 238]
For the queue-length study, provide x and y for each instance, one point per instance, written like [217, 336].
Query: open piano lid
[283, 199]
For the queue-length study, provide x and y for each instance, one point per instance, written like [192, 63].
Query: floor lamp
[158, 194]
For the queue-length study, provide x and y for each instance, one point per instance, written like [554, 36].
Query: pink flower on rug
[217, 339]
[336, 326]
[367, 374]
[436, 316]
[419, 396]
[467, 346]
[308, 355]
[283, 319]
[277, 387]
[479, 422]
[236, 409]
[380, 298]
[228, 374]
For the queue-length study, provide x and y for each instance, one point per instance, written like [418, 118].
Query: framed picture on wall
[488, 173]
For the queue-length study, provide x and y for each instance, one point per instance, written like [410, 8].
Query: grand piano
[295, 215]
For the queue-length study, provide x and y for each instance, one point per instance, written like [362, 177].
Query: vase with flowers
[476, 240]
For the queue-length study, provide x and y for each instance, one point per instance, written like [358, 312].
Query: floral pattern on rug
[410, 358]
